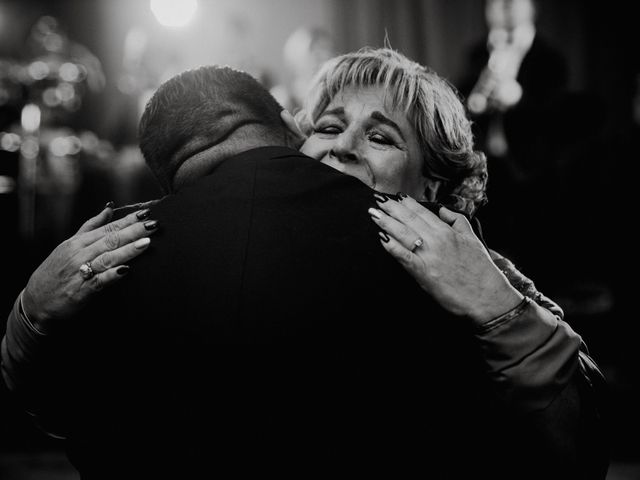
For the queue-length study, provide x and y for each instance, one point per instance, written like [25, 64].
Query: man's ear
[294, 135]
[292, 125]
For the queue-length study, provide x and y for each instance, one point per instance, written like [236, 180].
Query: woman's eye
[327, 129]
[380, 139]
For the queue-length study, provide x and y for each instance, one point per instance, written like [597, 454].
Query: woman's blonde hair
[431, 104]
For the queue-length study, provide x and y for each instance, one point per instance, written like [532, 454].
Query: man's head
[203, 116]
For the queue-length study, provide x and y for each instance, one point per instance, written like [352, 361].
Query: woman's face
[357, 134]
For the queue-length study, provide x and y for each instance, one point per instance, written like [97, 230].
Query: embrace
[312, 298]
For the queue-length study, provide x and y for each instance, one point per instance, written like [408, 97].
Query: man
[266, 331]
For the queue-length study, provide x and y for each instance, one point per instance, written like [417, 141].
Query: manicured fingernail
[401, 195]
[141, 243]
[384, 236]
[150, 225]
[142, 214]
[374, 212]
[380, 198]
[122, 270]
[109, 204]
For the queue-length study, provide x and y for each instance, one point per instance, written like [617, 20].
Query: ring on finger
[86, 271]
[417, 244]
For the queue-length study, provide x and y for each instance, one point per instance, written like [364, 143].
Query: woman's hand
[445, 257]
[58, 288]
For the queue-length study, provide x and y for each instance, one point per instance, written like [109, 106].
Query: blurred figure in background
[306, 49]
[512, 80]
[541, 140]
[516, 68]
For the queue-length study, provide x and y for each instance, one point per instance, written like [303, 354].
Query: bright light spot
[10, 142]
[75, 145]
[50, 97]
[69, 72]
[30, 118]
[7, 184]
[173, 13]
[38, 70]
[62, 146]
[89, 140]
[59, 146]
[477, 102]
[65, 92]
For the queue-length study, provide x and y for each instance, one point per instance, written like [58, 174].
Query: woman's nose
[346, 148]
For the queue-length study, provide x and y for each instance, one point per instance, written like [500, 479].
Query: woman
[422, 146]
[398, 127]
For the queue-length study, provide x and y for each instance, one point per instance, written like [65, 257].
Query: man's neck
[206, 161]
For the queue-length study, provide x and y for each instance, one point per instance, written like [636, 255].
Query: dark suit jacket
[267, 331]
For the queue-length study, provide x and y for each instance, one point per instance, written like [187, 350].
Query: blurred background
[555, 99]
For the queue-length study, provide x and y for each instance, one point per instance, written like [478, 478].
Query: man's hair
[208, 105]
[432, 105]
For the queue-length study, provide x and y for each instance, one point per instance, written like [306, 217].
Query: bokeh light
[171, 13]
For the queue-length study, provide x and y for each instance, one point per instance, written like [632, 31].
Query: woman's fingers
[419, 210]
[111, 229]
[116, 239]
[403, 234]
[457, 221]
[111, 260]
[413, 225]
[60, 286]
[412, 214]
[106, 278]
[400, 252]
[94, 222]
[452, 265]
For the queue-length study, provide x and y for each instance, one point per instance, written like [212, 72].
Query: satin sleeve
[531, 355]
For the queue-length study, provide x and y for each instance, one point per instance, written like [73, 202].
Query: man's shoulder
[270, 151]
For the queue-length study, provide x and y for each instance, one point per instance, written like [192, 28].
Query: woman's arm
[530, 352]
[57, 290]
[523, 284]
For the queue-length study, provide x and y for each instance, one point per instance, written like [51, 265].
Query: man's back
[267, 331]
